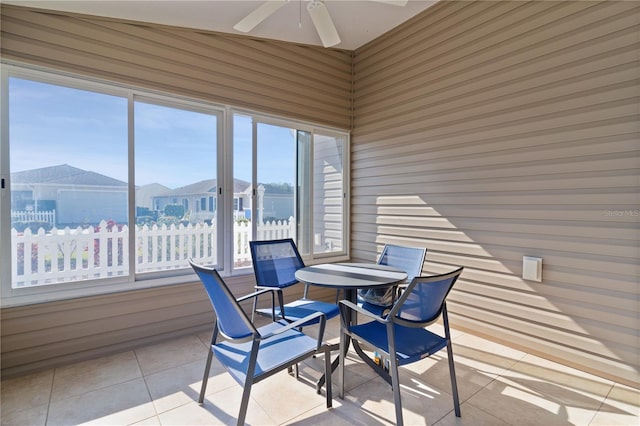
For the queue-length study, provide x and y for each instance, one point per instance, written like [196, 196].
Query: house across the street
[78, 197]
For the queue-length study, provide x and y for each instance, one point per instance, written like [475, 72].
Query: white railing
[27, 216]
[64, 255]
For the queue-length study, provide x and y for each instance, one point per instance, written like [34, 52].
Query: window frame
[10, 296]
[312, 129]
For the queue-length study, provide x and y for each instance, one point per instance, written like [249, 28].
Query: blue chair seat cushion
[376, 309]
[302, 307]
[274, 354]
[412, 344]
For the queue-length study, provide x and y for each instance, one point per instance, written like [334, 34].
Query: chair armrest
[251, 295]
[300, 323]
[358, 309]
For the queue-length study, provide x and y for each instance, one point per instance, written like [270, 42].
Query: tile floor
[159, 385]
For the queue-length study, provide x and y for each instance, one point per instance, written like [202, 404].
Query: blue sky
[52, 125]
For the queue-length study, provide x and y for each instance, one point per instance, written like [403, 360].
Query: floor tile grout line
[146, 385]
[604, 400]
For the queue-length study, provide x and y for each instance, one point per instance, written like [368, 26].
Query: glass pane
[328, 194]
[275, 201]
[68, 157]
[274, 209]
[176, 187]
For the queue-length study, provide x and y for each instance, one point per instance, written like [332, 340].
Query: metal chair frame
[252, 354]
[409, 259]
[403, 339]
[292, 310]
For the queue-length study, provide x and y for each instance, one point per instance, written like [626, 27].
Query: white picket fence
[64, 255]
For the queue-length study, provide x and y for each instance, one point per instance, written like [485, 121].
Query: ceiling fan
[317, 11]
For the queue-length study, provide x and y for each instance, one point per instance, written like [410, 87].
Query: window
[69, 185]
[112, 188]
[175, 156]
[295, 177]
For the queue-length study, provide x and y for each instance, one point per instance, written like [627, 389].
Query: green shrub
[175, 210]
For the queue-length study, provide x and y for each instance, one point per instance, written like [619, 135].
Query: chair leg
[452, 370]
[454, 385]
[248, 382]
[205, 379]
[343, 339]
[327, 375]
[281, 303]
[395, 384]
[255, 307]
[245, 403]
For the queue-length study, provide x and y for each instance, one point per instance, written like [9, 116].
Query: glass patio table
[350, 277]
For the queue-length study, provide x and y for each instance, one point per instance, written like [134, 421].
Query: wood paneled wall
[486, 131]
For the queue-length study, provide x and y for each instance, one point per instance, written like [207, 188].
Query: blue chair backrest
[275, 262]
[408, 259]
[232, 321]
[423, 300]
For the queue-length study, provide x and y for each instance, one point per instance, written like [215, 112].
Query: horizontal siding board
[173, 59]
[560, 268]
[584, 333]
[50, 335]
[577, 215]
[487, 131]
[454, 89]
[559, 89]
[486, 56]
[266, 53]
[334, 64]
[407, 44]
[383, 49]
[598, 153]
[227, 55]
[554, 350]
[609, 199]
[610, 314]
[621, 249]
[495, 126]
[454, 144]
[130, 54]
[84, 331]
[66, 315]
[167, 79]
[63, 350]
[458, 230]
[432, 62]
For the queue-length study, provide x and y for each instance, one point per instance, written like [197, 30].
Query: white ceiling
[357, 22]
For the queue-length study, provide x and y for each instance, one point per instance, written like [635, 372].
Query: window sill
[53, 293]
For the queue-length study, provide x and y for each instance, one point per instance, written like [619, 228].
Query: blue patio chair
[275, 263]
[407, 259]
[252, 354]
[401, 336]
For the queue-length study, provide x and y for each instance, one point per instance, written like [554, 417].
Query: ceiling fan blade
[258, 15]
[393, 2]
[323, 23]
